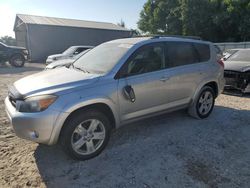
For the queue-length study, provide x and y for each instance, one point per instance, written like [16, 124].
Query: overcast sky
[93, 10]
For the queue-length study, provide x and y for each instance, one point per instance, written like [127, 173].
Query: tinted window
[203, 51]
[180, 53]
[148, 58]
[2, 47]
[79, 50]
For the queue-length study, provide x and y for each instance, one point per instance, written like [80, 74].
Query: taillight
[221, 63]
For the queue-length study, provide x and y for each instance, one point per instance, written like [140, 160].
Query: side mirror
[129, 93]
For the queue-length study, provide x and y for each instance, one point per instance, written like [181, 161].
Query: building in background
[43, 36]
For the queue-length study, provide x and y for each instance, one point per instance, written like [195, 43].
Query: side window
[79, 50]
[1, 47]
[180, 53]
[148, 58]
[203, 51]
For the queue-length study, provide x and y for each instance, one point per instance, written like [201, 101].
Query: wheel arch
[101, 106]
[211, 83]
[214, 86]
[16, 53]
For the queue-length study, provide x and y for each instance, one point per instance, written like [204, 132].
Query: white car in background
[65, 62]
[67, 54]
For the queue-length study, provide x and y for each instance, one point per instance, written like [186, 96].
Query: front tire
[85, 134]
[203, 105]
[17, 60]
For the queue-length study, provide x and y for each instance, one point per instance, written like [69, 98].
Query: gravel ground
[172, 150]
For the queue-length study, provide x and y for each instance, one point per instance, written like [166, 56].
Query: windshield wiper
[79, 68]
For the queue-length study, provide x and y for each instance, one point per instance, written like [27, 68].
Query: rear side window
[203, 51]
[180, 53]
[185, 53]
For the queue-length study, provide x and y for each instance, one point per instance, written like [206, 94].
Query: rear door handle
[164, 79]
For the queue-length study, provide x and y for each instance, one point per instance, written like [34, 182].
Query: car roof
[81, 47]
[135, 40]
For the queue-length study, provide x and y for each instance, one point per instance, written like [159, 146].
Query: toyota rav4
[114, 84]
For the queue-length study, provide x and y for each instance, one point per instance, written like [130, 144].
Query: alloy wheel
[88, 137]
[205, 102]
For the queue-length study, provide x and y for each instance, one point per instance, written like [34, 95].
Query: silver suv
[115, 83]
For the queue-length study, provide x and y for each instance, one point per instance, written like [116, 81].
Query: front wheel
[203, 105]
[85, 135]
[17, 60]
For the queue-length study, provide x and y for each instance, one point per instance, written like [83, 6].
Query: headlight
[25, 52]
[35, 104]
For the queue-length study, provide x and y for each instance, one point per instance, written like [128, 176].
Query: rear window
[203, 51]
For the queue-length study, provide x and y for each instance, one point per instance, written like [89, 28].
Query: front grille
[231, 74]
[12, 99]
[237, 75]
[14, 95]
[238, 80]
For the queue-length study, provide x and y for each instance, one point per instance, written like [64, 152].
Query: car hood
[17, 47]
[60, 63]
[59, 81]
[56, 56]
[240, 66]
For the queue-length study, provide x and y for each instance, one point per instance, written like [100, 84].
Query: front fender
[68, 109]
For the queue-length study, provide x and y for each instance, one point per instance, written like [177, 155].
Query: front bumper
[48, 61]
[237, 80]
[36, 127]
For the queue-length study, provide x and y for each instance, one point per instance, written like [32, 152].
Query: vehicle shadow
[129, 150]
[5, 68]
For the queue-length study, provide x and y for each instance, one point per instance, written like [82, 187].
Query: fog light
[34, 134]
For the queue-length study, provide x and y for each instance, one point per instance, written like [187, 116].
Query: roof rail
[177, 36]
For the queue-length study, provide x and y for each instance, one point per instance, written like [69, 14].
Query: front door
[141, 90]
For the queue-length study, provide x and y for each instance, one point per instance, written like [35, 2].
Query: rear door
[185, 70]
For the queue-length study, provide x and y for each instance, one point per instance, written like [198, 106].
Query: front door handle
[129, 93]
[164, 79]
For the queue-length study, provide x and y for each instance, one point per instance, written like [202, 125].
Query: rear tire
[85, 134]
[203, 104]
[17, 60]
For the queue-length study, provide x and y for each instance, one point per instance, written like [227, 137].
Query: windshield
[69, 51]
[241, 55]
[102, 58]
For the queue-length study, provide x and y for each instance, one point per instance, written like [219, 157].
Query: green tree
[160, 17]
[8, 40]
[214, 20]
[135, 32]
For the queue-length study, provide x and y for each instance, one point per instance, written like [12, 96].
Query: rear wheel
[86, 134]
[17, 60]
[203, 105]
